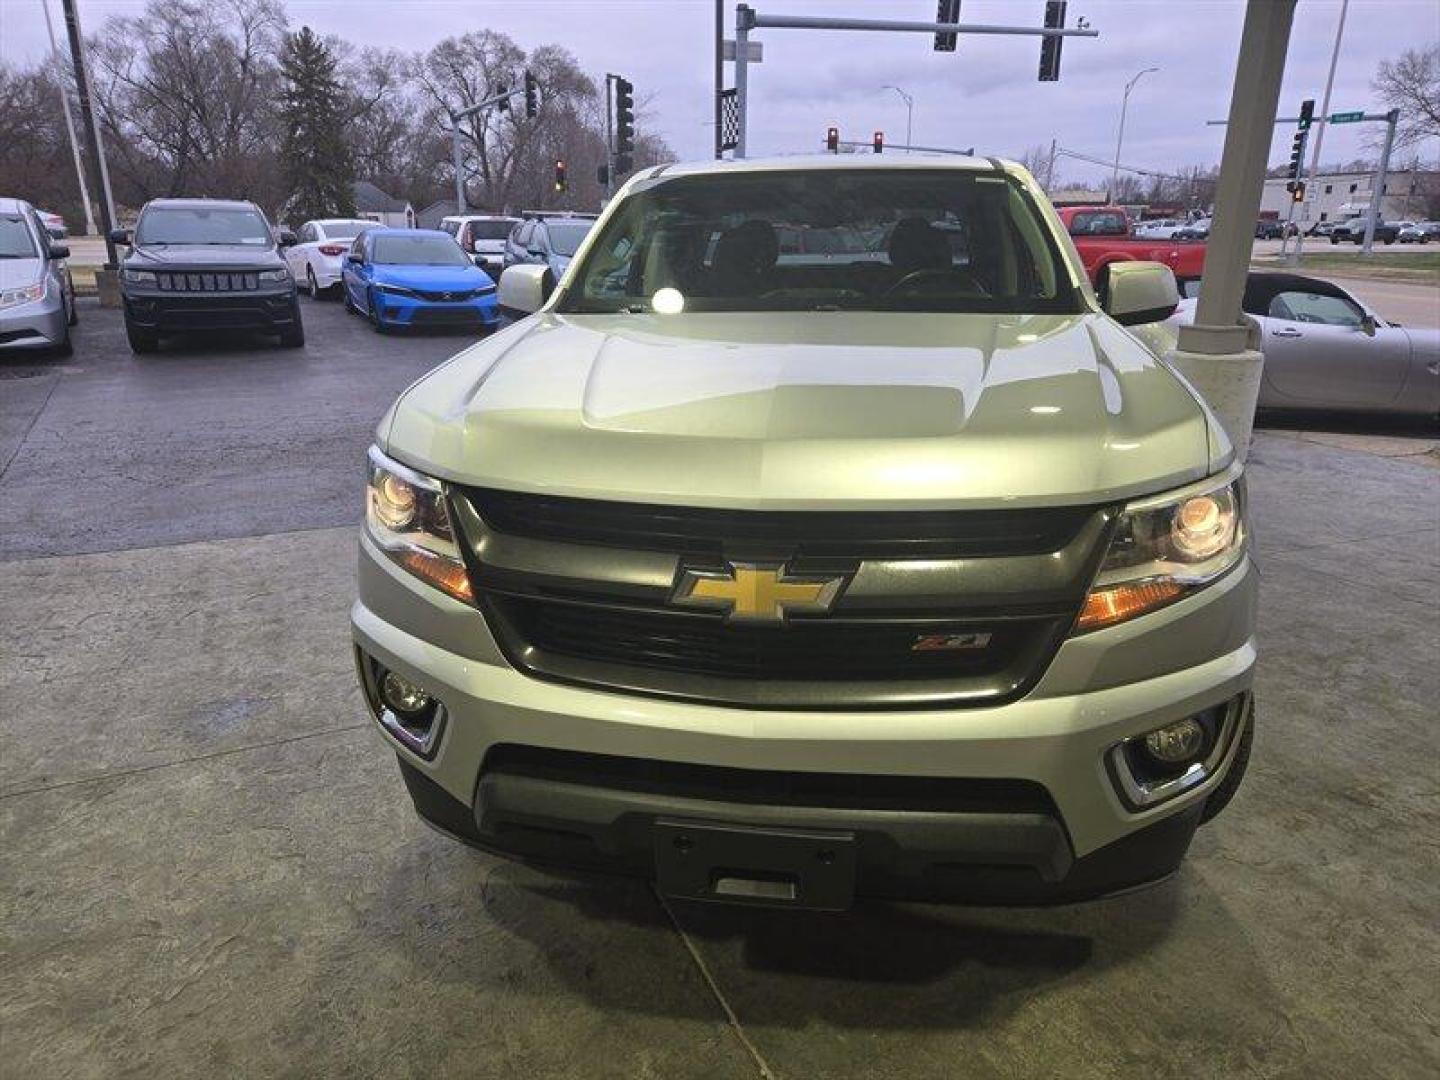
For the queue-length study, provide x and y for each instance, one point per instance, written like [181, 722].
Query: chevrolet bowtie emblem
[756, 593]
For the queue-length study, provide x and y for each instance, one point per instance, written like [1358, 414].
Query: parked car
[205, 266]
[482, 237]
[404, 278]
[1198, 229]
[1422, 232]
[1353, 231]
[1102, 236]
[1274, 229]
[1321, 228]
[37, 297]
[548, 241]
[318, 253]
[744, 571]
[1324, 349]
[1157, 229]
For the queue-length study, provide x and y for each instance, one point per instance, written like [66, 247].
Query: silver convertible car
[1324, 349]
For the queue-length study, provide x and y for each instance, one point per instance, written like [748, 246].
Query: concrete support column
[1219, 353]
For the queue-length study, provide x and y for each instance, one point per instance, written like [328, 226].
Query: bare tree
[1412, 85]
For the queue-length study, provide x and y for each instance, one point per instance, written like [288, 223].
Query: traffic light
[1297, 154]
[1307, 112]
[879, 142]
[946, 11]
[1050, 46]
[532, 96]
[561, 184]
[1297, 191]
[832, 140]
[504, 91]
[624, 116]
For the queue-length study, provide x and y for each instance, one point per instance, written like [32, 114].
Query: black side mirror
[356, 257]
[56, 233]
[120, 236]
[59, 251]
[1368, 325]
[287, 238]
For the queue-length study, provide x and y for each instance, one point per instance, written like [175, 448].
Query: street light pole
[909, 113]
[1120, 139]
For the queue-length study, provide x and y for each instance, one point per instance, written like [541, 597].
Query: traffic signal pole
[1320, 132]
[748, 19]
[1377, 186]
[480, 106]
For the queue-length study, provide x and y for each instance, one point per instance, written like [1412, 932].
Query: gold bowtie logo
[755, 593]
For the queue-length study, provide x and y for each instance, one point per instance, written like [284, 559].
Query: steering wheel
[917, 277]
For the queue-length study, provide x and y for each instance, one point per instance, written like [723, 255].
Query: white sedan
[318, 254]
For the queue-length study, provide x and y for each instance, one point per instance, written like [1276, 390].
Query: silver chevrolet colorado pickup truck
[820, 533]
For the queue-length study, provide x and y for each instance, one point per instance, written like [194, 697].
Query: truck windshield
[201, 225]
[15, 239]
[826, 239]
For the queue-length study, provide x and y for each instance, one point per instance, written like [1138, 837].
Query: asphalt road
[209, 866]
[209, 438]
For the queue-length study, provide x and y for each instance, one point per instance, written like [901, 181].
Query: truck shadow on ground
[880, 966]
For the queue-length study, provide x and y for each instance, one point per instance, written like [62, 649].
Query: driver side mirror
[286, 238]
[355, 257]
[1137, 292]
[1368, 326]
[59, 251]
[120, 236]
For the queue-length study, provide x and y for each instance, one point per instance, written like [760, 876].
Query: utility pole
[1377, 186]
[92, 131]
[1320, 134]
[70, 125]
[1050, 169]
[1218, 352]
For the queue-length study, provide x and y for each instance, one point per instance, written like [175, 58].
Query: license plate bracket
[742, 864]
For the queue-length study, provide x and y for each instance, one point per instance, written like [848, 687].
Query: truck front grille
[584, 592]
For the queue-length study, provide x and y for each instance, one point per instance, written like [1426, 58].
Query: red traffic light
[832, 140]
[560, 182]
[879, 142]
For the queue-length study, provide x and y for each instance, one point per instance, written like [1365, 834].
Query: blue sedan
[417, 277]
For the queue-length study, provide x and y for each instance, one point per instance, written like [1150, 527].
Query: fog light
[403, 696]
[1178, 743]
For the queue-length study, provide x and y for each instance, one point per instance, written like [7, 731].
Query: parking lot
[208, 863]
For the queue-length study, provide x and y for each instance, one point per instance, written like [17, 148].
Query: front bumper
[269, 311]
[404, 312]
[40, 324]
[1078, 839]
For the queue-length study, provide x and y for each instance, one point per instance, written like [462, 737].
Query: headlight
[138, 277]
[274, 277]
[406, 517]
[396, 290]
[16, 297]
[1165, 548]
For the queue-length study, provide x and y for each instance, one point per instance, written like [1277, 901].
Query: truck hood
[816, 410]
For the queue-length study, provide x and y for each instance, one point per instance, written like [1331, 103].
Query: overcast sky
[984, 94]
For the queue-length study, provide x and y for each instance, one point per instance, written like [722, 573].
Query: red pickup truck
[1102, 236]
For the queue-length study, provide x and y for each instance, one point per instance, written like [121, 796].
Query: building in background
[1410, 195]
[374, 205]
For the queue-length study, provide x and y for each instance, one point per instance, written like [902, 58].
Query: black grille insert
[887, 534]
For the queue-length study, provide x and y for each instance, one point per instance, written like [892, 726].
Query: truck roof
[808, 162]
